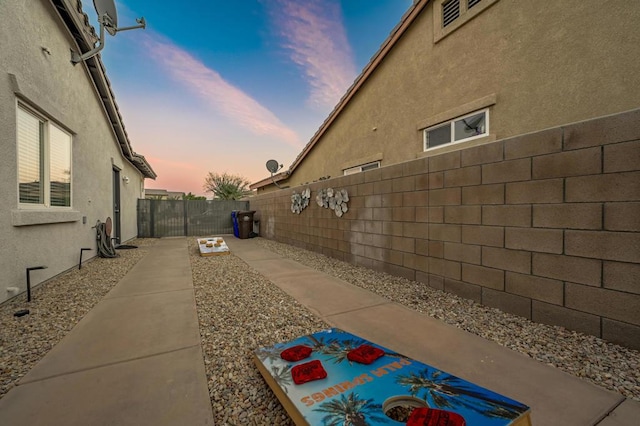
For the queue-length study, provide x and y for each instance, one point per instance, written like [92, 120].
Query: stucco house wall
[544, 225]
[533, 67]
[35, 70]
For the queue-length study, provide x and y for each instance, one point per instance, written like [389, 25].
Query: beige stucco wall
[63, 93]
[545, 66]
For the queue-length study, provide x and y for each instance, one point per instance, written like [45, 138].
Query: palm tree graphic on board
[338, 349]
[269, 354]
[350, 411]
[282, 375]
[280, 370]
[446, 391]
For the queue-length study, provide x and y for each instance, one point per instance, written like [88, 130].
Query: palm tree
[350, 411]
[447, 391]
[191, 196]
[226, 186]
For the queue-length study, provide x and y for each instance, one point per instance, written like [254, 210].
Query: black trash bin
[245, 224]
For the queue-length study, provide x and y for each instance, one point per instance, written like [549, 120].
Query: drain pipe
[33, 268]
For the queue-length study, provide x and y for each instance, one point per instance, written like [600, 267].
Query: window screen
[30, 158]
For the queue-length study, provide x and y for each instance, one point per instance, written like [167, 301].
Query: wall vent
[472, 3]
[450, 12]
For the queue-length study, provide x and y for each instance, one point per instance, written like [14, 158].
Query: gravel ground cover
[239, 310]
[56, 307]
[607, 365]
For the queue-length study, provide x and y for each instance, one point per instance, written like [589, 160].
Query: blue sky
[224, 86]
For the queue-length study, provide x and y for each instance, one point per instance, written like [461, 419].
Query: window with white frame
[362, 168]
[470, 126]
[44, 161]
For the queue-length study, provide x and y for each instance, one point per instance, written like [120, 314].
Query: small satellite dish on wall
[108, 20]
[273, 166]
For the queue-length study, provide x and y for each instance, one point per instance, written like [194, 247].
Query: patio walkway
[555, 398]
[135, 359]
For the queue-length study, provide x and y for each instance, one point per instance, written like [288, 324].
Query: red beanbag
[365, 354]
[296, 353]
[424, 416]
[307, 372]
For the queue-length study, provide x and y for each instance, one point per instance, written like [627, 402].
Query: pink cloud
[314, 35]
[227, 99]
[175, 176]
[190, 176]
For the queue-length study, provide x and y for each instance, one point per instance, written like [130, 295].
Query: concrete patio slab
[251, 251]
[122, 329]
[555, 398]
[628, 413]
[320, 295]
[158, 268]
[165, 269]
[281, 268]
[135, 359]
[164, 389]
[151, 284]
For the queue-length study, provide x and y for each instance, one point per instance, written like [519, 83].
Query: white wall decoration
[335, 200]
[300, 201]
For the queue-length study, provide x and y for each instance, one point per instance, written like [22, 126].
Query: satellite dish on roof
[273, 166]
[108, 20]
[106, 9]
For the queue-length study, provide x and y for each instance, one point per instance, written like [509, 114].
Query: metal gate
[177, 218]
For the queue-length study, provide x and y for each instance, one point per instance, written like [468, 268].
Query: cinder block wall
[544, 225]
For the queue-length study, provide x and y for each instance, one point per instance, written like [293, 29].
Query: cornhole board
[356, 393]
[213, 251]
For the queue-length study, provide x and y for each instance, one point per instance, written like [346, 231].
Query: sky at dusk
[224, 86]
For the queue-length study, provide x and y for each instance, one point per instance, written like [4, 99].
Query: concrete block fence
[544, 225]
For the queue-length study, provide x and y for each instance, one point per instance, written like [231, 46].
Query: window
[470, 126]
[44, 162]
[362, 168]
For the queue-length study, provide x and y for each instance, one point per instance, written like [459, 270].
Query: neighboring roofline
[270, 180]
[84, 34]
[395, 35]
